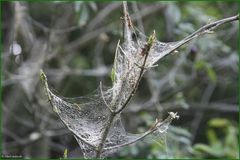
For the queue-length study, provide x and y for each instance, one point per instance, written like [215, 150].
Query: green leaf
[231, 138]
[113, 75]
[151, 39]
[43, 76]
[212, 137]
[65, 153]
[218, 123]
[113, 72]
[200, 64]
[211, 74]
[216, 152]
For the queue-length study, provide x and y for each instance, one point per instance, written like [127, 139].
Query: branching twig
[54, 30]
[128, 39]
[201, 31]
[146, 50]
[155, 126]
[128, 30]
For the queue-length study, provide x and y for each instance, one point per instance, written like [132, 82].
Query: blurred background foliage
[74, 43]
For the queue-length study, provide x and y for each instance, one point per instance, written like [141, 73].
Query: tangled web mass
[87, 117]
[95, 120]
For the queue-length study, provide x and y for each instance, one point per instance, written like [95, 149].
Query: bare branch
[146, 50]
[203, 30]
[155, 126]
[127, 24]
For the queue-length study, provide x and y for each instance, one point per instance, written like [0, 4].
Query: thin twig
[102, 15]
[127, 36]
[147, 50]
[127, 39]
[155, 126]
[201, 31]
[104, 135]
[76, 44]
[127, 31]
[213, 25]
[53, 30]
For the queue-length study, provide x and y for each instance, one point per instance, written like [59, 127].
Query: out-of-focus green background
[74, 43]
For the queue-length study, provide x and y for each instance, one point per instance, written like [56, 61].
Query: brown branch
[213, 25]
[127, 26]
[104, 135]
[127, 31]
[155, 126]
[146, 50]
[201, 31]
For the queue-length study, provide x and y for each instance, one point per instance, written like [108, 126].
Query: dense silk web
[95, 120]
[87, 117]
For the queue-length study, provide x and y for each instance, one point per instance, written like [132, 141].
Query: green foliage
[65, 154]
[205, 66]
[113, 72]
[43, 76]
[79, 62]
[222, 138]
[151, 39]
[113, 75]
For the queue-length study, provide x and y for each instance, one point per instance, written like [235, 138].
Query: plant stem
[104, 135]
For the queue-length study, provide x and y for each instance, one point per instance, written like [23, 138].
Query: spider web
[87, 117]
